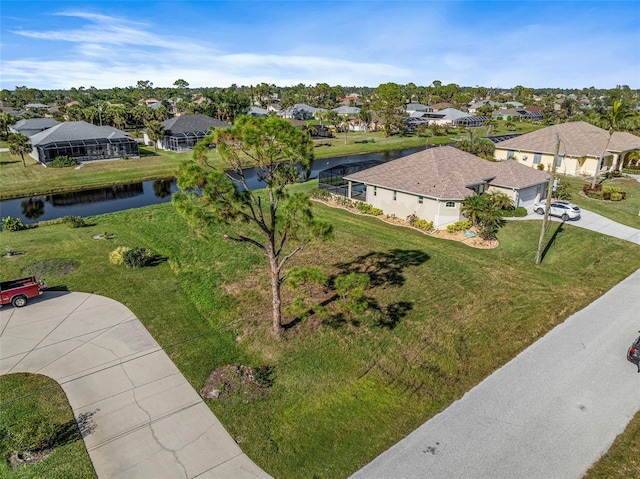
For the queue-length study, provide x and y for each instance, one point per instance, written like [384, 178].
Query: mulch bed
[475, 242]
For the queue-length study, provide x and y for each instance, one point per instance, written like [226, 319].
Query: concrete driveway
[549, 413]
[139, 416]
[594, 222]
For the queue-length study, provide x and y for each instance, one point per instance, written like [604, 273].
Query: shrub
[459, 226]
[263, 375]
[367, 209]
[74, 221]
[63, 162]
[320, 194]
[137, 257]
[519, 212]
[541, 166]
[423, 225]
[12, 224]
[117, 255]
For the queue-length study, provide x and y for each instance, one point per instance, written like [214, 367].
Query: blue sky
[62, 44]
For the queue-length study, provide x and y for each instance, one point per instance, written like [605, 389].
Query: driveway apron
[549, 413]
[138, 415]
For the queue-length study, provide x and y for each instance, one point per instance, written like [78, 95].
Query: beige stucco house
[584, 148]
[433, 183]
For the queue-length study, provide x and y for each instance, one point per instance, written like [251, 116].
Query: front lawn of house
[442, 317]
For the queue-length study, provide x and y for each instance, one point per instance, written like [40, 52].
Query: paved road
[139, 416]
[549, 413]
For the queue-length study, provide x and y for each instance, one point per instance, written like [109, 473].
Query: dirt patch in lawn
[236, 383]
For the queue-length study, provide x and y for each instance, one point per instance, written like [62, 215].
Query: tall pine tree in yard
[272, 220]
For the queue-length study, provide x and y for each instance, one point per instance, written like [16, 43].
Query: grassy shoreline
[344, 390]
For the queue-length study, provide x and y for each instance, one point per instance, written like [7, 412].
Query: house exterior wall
[524, 197]
[573, 166]
[406, 204]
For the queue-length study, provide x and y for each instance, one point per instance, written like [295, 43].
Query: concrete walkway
[139, 416]
[594, 222]
[549, 413]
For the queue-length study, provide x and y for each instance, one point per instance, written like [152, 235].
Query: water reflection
[96, 195]
[33, 208]
[162, 188]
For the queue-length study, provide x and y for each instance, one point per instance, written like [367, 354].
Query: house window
[559, 160]
[375, 191]
[510, 154]
[450, 204]
[537, 158]
[420, 200]
[395, 195]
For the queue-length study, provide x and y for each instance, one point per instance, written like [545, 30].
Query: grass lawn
[623, 458]
[345, 389]
[626, 212]
[32, 405]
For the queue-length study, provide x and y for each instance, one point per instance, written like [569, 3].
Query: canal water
[120, 197]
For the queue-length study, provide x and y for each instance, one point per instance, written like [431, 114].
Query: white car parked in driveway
[561, 209]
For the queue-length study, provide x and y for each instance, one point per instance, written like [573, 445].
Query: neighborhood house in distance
[82, 141]
[181, 133]
[432, 184]
[584, 148]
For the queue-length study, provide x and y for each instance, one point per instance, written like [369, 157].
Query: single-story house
[520, 113]
[181, 133]
[257, 111]
[31, 126]
[299, 111]
[83, 141]
[584, 148]
[416, 107]
[451, 116]
[433, 183]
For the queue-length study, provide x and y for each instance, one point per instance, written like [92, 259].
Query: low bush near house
[367, 209]
[63, 162]
[519, 212]
[459, 226]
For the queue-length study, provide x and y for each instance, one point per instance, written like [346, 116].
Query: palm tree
[365, 117]
[320, 115]
[617, 115]
[345, 125]
[472, 208]
[5, 121]
[155, 132]
[500, 199]
[19, 145]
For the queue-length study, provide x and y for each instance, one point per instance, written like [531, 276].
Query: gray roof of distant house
[347, 110]
[191, 123]
[74, 131]
[577, 138]
[446, 173]
[35, 124]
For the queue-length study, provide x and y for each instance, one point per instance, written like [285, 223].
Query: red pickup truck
[18, 291]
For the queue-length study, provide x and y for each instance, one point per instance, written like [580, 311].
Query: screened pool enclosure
[332, 179]
[88, 150]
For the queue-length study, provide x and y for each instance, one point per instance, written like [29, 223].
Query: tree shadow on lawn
[555, 234]
[383, 269]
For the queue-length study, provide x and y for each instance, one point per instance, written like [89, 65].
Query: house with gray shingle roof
[433, 183]
[181, 133]
[584, 148]
[31, 126]
[299, 111]
[83, 141]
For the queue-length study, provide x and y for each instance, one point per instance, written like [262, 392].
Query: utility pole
[547, 206]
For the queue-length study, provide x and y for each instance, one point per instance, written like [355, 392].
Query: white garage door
[528, 196]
